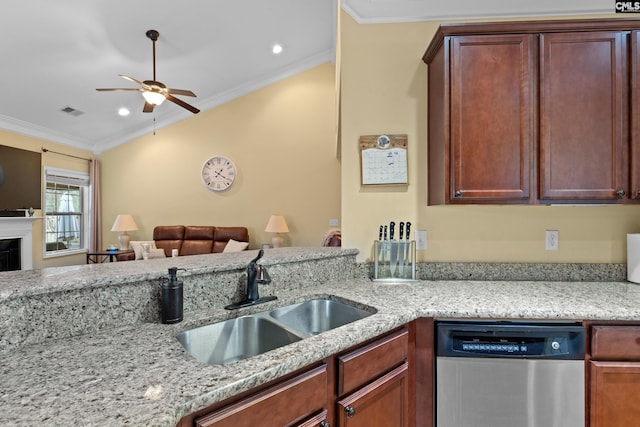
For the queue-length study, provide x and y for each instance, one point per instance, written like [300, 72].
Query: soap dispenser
[171, 297]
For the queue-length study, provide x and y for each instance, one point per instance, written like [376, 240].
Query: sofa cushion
[168, 232]
[198, 239]
[199, 232]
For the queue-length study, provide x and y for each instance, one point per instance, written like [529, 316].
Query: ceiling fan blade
[183, 104]
[120, 88]
[182, 92]
[148, 108]
[132, 79]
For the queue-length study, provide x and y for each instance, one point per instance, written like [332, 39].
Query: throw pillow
[235, 246]
[136, 245]
[156, 253]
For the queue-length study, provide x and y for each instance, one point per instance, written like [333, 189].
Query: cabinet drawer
[369, 362]
[276, 406]
[615, 342]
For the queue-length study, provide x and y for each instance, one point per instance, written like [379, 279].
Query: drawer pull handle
[351, 411]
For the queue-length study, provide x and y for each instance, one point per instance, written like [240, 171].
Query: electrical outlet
[551, 240]
[334, 222]
[421, 240]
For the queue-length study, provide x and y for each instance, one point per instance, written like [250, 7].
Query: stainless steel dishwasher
[509, 374]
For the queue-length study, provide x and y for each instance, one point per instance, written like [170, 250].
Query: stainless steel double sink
[243, 337]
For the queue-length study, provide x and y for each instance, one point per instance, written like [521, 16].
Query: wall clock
[218, 173]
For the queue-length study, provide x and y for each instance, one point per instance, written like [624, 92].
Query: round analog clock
[218, 173]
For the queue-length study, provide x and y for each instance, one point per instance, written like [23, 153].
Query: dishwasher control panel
[507, 339]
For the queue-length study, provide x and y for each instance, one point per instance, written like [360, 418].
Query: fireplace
[17, 230]
[10, 254]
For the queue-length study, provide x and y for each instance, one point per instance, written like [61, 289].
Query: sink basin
[235, 339]
[318, 315]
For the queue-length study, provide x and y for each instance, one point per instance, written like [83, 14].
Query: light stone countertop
[140, 375]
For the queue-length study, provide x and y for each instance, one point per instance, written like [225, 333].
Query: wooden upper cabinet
[534, 112]
[492, 112]
[583, 108]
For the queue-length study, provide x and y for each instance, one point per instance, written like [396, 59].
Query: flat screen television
[20, 179]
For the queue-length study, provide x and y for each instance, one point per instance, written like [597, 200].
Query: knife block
[394, 261]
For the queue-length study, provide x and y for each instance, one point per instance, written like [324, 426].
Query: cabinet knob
[325, 424]
[458, 193]
[620, 193]
[351, 411]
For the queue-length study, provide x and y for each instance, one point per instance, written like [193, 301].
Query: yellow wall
[282, 141]
[384, 89]
[48, 159]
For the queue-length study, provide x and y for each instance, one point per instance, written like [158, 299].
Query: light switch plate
[333, 222]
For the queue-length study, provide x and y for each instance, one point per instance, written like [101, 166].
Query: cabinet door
[492, 118]
[615, 387]
[383, 403]
[635, 115]
[582, 116]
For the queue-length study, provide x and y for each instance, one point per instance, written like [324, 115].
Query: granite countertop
[140, 375]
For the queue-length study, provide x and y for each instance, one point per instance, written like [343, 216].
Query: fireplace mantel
[20, 228]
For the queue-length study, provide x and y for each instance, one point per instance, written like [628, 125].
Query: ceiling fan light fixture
[153, 98]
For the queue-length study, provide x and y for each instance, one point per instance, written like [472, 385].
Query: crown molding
[399, 11]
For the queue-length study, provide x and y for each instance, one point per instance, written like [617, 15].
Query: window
[66, 212]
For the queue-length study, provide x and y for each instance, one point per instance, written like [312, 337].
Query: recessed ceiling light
[123, 111]
[276, 49]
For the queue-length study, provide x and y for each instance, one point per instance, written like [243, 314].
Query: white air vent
[72, 111]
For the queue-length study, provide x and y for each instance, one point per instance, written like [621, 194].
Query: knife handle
[385, 232]
[380, 234]
[408, 230]
[401, 231]
[392, 229]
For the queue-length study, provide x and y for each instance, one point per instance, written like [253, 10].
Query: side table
[102, 256]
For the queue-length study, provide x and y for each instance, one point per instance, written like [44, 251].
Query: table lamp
[277, 225]
[124, 223]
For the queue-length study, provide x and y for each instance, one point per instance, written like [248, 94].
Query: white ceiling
[55, 53]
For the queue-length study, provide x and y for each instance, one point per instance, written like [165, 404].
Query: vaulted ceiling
[56, 53]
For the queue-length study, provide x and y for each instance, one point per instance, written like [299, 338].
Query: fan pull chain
[154, 125]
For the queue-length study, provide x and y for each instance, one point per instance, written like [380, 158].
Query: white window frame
[77, 178]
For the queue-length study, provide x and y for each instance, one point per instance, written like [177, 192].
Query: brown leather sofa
[193, 239]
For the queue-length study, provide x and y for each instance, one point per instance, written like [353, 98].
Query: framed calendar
[383, 159]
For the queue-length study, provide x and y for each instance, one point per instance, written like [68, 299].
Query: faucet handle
[263, 275]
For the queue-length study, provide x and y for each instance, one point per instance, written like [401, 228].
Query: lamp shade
[277, 224]
[124, 222]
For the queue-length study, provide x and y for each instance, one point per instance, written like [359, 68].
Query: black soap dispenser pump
[171, 297]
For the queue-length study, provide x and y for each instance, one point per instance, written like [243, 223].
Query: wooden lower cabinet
[615, 394]
[614, 375]
[383, 403]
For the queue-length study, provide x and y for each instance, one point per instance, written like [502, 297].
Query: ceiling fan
[153, 91]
